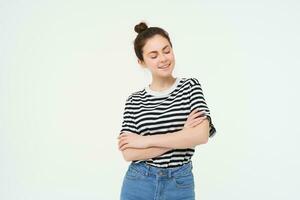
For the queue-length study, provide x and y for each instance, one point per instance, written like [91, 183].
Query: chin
[165, 75]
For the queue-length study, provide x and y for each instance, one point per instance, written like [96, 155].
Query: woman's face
[158, 56]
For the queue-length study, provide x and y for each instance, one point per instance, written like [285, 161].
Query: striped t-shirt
[149, 112]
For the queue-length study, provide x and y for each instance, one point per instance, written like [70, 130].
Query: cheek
[152, 63]
[171, 56]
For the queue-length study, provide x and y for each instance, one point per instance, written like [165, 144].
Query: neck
[160, 84]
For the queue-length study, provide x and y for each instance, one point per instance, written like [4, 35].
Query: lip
[165, 66]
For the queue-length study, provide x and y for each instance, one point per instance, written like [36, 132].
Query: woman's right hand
[194, 118]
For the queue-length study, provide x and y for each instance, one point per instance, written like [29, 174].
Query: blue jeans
[146, 182]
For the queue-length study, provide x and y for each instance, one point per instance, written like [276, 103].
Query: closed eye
[165, 53]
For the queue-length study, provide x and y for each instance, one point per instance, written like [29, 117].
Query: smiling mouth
[165, 66]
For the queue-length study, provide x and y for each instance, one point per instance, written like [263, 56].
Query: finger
[123, 135]
[197, 115]
[124, 147]
[191, 118]
[193, 115]
[193, 112]
[123, 139]
[188, 123]
[122, 142]
[199, 112]
[119, 139]
[198, 121]
[196, 110]
[202, 116]
[192, 123]
[121, 145]
[195, 123]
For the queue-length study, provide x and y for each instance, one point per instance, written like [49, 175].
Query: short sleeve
[197, 100]
[128, 123]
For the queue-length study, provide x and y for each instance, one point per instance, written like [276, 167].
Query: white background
[66, 68]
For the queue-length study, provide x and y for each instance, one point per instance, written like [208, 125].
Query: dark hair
[145, 33]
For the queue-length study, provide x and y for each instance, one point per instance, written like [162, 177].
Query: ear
[142, 63]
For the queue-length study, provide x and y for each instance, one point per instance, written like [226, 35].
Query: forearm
[185, 138]
[131, 154]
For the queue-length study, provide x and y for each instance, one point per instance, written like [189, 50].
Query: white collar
[164, 92]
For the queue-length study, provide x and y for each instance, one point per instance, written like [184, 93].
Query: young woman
[162, 125]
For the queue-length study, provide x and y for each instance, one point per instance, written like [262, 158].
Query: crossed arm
[131, 154]
[161, 143]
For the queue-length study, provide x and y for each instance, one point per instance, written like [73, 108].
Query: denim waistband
[146, 169]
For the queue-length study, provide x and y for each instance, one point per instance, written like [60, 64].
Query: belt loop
[169, 173]
[147, 169]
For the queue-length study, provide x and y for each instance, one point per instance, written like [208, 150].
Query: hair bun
[140, 27]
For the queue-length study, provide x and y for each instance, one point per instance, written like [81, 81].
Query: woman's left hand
[132, 140]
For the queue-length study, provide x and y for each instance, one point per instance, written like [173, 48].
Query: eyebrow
[156, 51]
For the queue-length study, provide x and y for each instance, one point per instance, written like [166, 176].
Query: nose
[163, 58]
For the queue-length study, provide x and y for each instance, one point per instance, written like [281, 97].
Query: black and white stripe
[149, 113]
